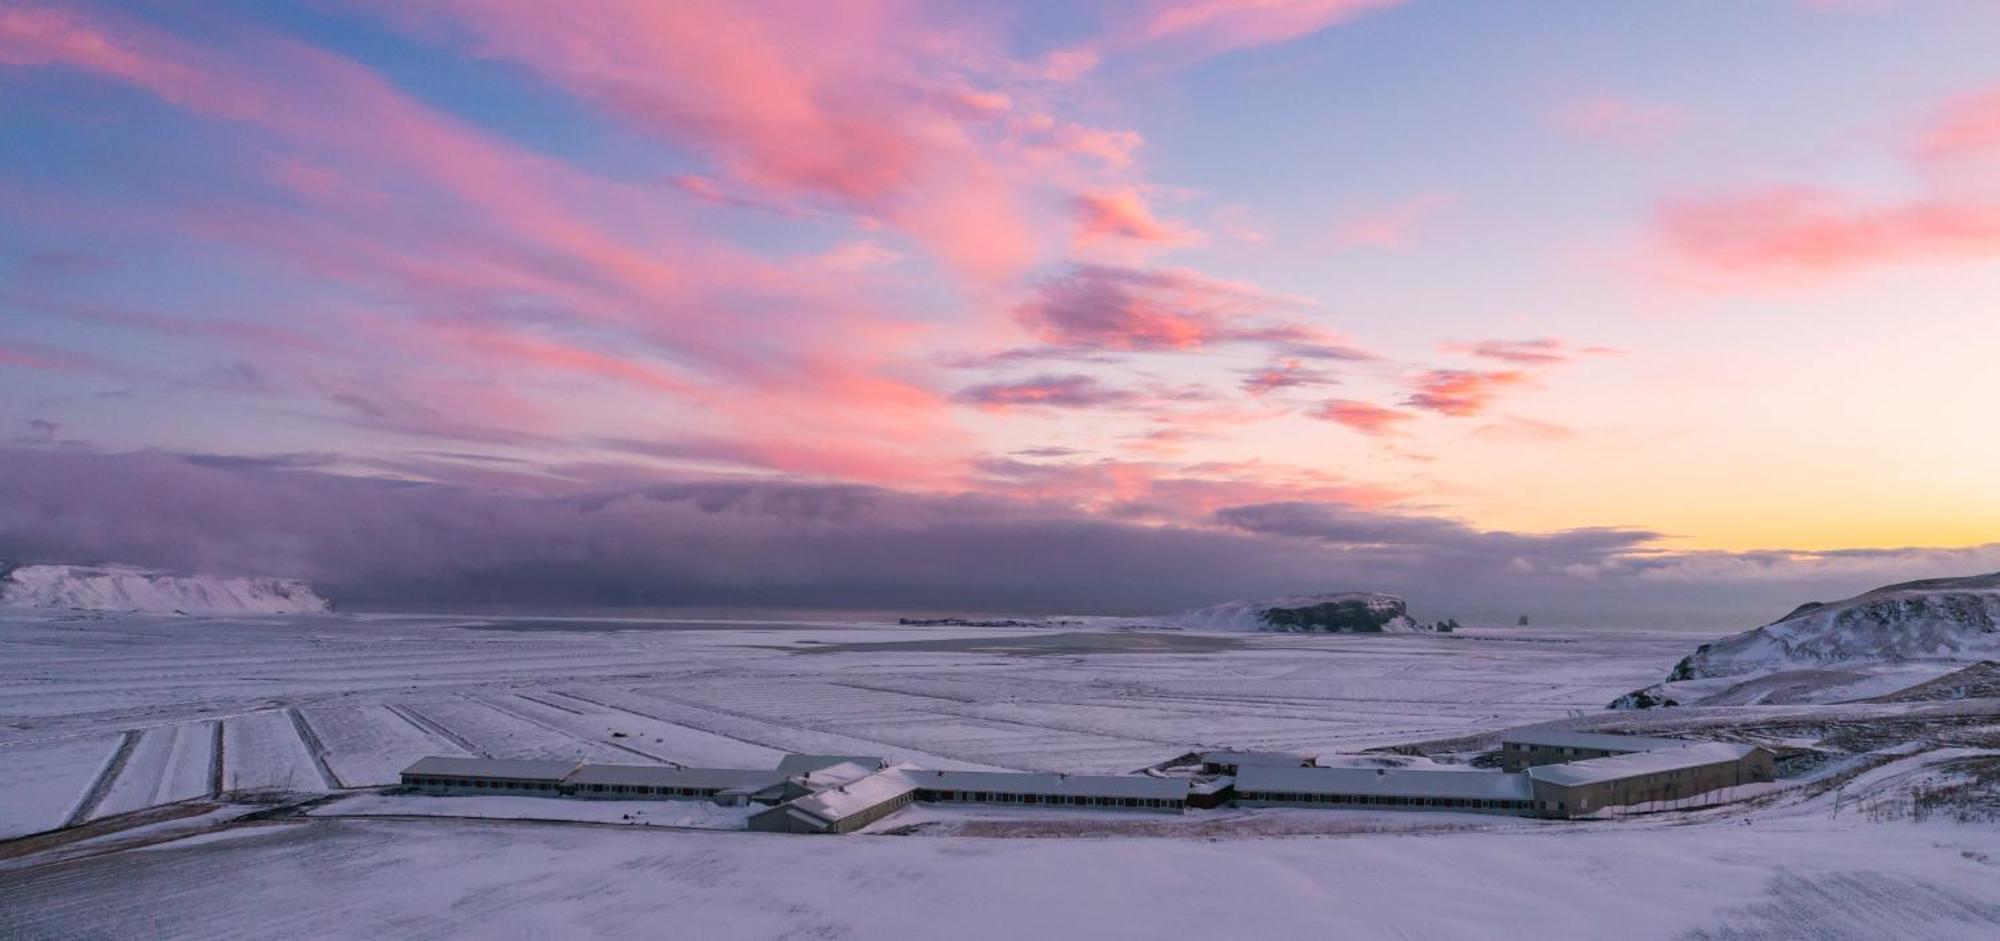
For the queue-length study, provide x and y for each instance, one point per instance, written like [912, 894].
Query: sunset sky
[1019, 306]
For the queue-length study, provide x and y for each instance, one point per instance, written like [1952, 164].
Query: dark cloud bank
[382, 543]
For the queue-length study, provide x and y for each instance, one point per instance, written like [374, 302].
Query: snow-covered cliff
[1355, 611]
[1824, 652]
[126, 588]
[1939, 619]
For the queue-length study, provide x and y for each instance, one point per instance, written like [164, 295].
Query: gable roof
[1282, 759]
[846, 800]
[802, 764]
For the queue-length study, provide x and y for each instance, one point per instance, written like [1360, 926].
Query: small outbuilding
[844, 808]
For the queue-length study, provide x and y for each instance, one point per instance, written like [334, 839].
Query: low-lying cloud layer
[384, 542]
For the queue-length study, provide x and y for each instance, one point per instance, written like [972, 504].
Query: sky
[1648, 311]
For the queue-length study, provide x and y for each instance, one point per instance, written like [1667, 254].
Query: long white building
[1376, 788]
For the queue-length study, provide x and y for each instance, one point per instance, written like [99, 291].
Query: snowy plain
[103, 715]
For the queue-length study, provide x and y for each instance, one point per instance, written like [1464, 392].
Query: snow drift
[1941, 621]
[126, 588]
[1341, 612]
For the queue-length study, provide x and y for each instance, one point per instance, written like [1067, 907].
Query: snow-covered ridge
[1948, 619]
[1871, 644]
[127, 588]
[1357, 611]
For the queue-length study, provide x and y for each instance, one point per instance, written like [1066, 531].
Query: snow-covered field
[102, 715]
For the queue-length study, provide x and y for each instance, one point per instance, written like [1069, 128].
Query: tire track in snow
[430, 726]
[552, 705]
[101, 786]
[315, 749]
[531, 720]
[871, 740]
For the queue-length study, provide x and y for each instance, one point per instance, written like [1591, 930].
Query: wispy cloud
[1462, 392]
[1364, 417]
[1397, 225]
[1071, 391]
[1623, 121]
[1125, 214]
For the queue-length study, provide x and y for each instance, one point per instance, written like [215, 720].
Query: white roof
[833, 775]
[800, 764]
[1279, 758]
[1596, 741]
[1599, 770]
[662, 776]
[511, 769]
[846, 800]
[1060, 785]
[1384, 782]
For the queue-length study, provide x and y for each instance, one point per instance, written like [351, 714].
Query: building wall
[1559, 800]
[628, 792]
[1517, 757]
[853, 822]
[453, 784]
[777, 820]
[1385, 802]
[1158, 805]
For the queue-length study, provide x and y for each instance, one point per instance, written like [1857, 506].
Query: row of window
[643, 790]
[485, 784]
[480, 783]
[1467, 803]
[986, 797]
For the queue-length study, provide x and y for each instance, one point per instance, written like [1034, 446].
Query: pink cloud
[1545, 351]
[41, 36]
[1369, 419]
[1969, 126]
[1201, 28]
[1071, 391]
[48, 360]
[1236, 222]
[861, 106]
[1792, 231]
[1615, 120]
[1462, 392]
[1175, 492]
[1124, 214]
[1394, 226]
[1113, 149]
[1287, 373]
[1526, 430]
[1787, 233]
[1100, 307]
[496, 227]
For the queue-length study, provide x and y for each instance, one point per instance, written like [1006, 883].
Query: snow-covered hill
[126, 588]
[1339, 612]
[1824, 651]
[1954, 619]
